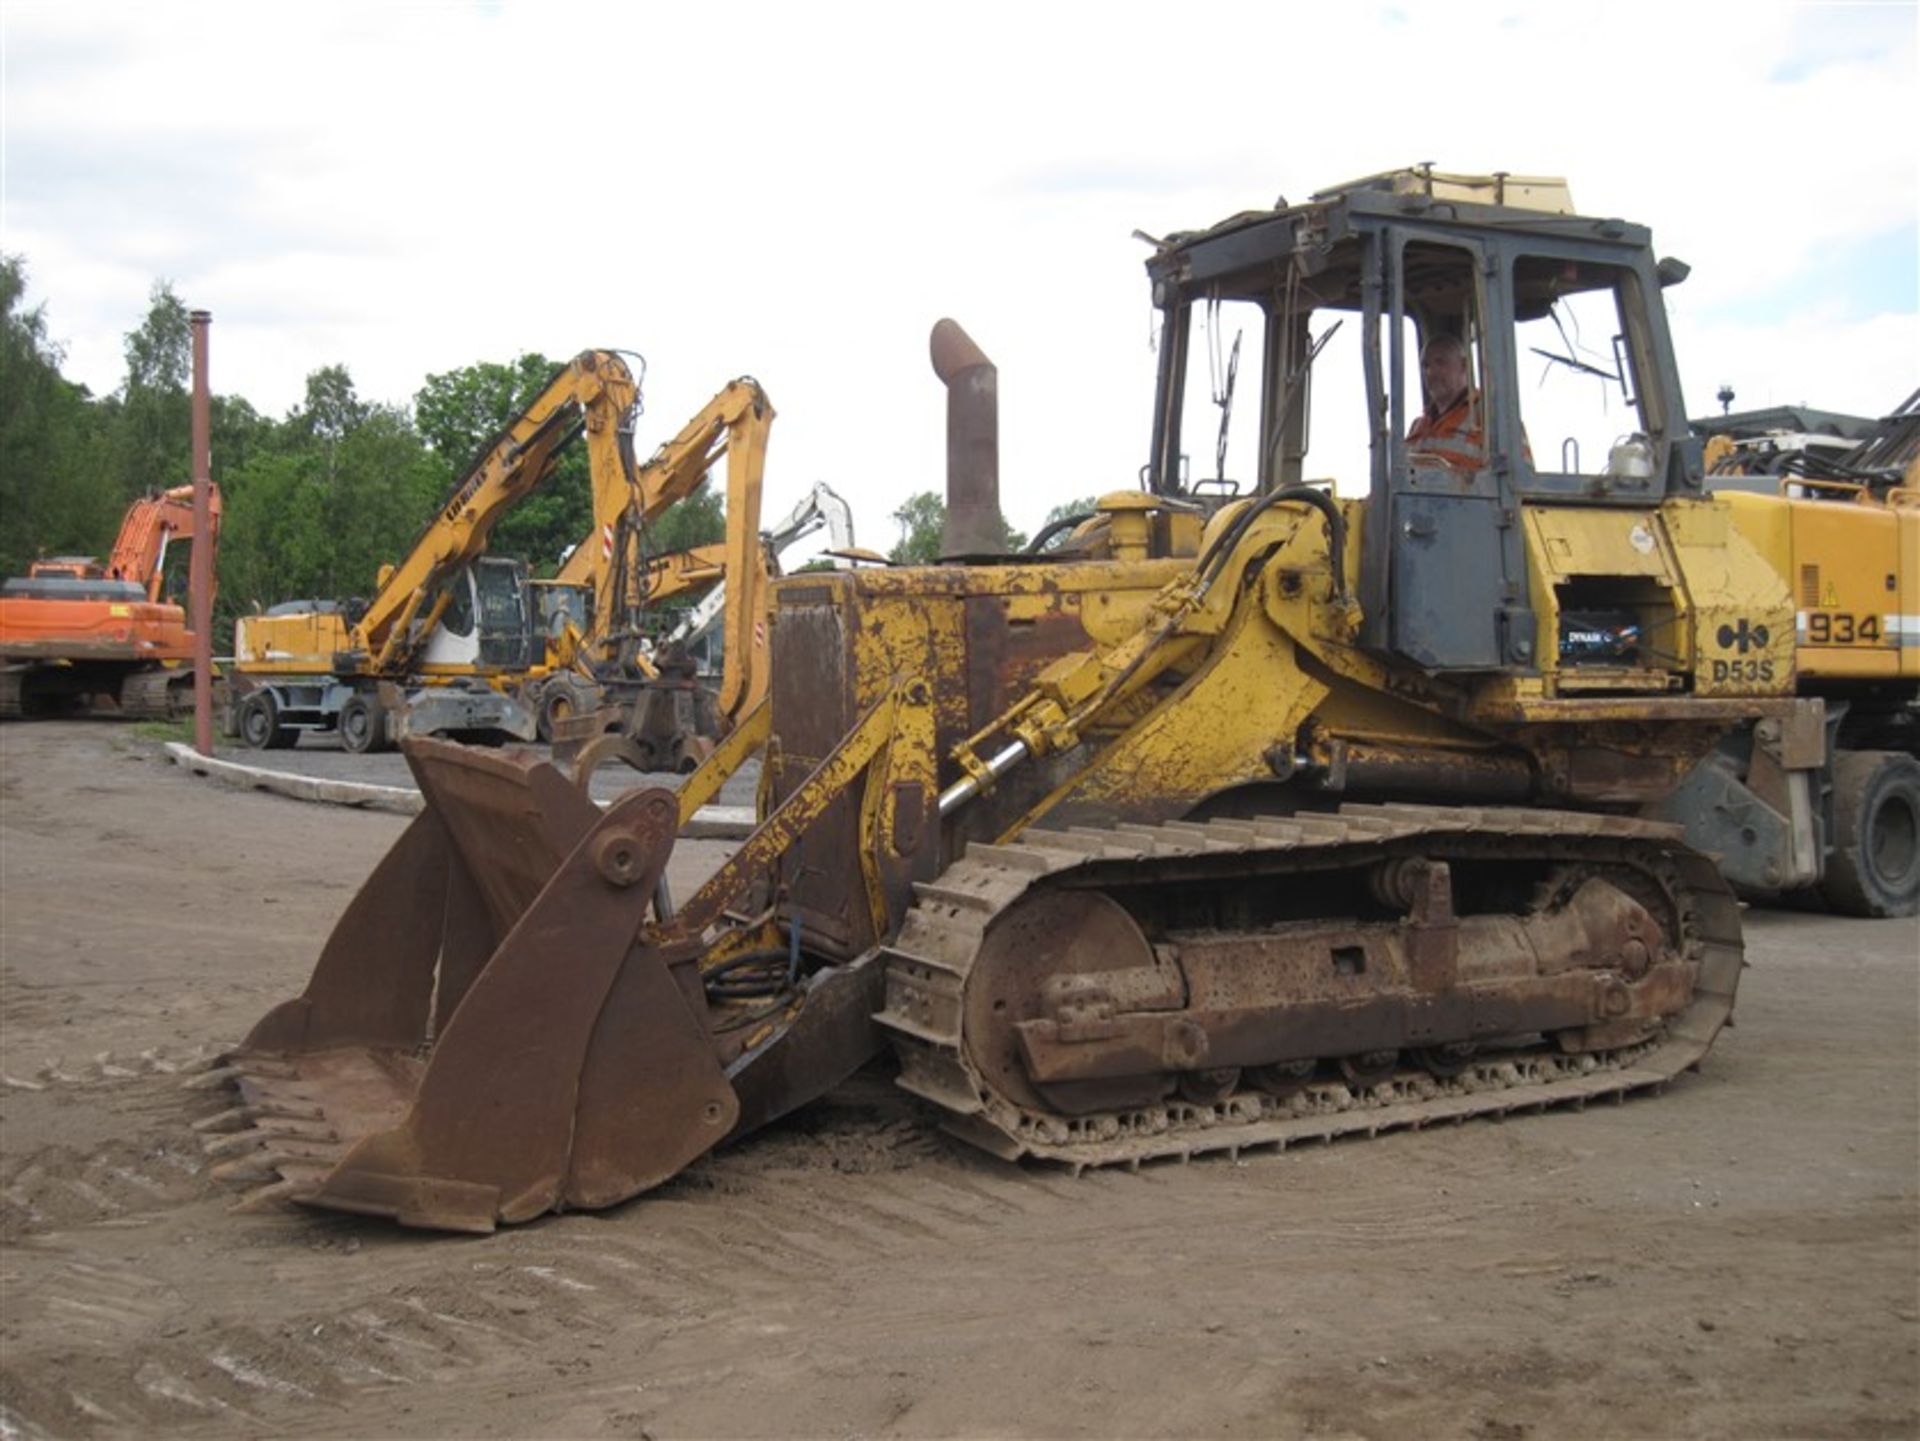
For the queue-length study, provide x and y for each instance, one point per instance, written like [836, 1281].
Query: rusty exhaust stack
[973, 523]
[200, 561]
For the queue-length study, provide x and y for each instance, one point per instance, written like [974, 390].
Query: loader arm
[1082, 690]
[595, 391]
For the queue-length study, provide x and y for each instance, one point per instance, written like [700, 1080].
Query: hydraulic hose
[1047, 533]
[1215, 557]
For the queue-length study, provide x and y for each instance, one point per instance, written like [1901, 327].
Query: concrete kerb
[708, 823]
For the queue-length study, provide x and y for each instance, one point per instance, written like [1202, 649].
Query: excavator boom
[595, 391]
[151, 525]
[651, 711]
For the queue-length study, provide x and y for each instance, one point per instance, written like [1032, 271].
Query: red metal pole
[200, 567]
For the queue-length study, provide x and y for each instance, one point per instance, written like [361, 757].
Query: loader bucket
[489, 1033]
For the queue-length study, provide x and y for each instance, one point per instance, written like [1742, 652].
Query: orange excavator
[81, 637]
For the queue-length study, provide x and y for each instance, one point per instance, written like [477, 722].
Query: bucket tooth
[234, 1118]
[245, 1170]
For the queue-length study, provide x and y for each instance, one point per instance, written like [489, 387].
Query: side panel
[1847, 590]
[813, 710]
[1853, 571]
[1741, 612]
[96, 629]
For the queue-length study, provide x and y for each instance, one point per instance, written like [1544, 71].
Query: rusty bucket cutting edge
[505, 931]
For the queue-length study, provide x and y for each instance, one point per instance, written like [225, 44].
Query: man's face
[1443, 372]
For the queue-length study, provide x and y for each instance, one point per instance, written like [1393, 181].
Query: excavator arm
[595, 391]
[151, 524]
[733, 426]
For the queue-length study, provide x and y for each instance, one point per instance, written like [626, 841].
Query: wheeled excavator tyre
[260, 725]
[363, 725]
[1874, 867]
[561, 699]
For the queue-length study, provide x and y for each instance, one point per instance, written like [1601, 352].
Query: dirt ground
[1738, 1257]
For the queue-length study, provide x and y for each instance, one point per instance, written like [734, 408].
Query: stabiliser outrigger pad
[489, 1034]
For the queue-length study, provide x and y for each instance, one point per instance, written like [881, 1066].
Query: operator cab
[1290, 352]
[488, 622]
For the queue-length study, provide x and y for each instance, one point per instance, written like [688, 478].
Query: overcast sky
[799, 191]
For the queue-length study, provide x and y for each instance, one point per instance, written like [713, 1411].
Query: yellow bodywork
[302, 643]
[1853, 564]
[1127, 688]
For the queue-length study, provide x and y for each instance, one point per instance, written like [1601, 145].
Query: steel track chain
[154, 694]
[929, 963]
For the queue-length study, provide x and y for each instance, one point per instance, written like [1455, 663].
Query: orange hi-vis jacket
[1455, 437]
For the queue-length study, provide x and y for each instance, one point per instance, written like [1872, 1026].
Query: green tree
[382, 490]
[273, 537]
[922, 518]
[237, 432]
[699, 519]
[333, 409]
[322, 501]
[54, 493]
[462, 412]
[151, 416]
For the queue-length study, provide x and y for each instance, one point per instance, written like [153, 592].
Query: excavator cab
[488, 623]
[559, 604]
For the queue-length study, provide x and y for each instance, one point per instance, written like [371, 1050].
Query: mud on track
[1737, 1257]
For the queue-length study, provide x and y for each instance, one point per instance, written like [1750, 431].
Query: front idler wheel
[1025, 974]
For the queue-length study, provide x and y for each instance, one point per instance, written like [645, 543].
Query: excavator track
[163, 693]
[934, 959]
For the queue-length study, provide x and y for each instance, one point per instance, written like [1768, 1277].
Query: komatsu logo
[1743, 637]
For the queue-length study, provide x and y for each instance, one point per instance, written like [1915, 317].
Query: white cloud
[800, 191]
